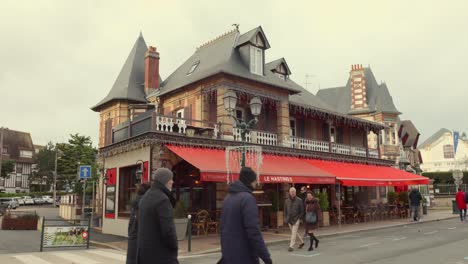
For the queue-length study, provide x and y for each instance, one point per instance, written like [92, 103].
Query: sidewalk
[210, 243]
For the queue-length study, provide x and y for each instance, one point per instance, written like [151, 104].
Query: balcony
[152, 122]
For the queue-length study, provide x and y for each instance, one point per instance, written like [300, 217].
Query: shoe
[310, 248]
[300, 246]
[290, 249]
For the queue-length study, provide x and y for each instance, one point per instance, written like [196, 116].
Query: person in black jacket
[241, 239]
[157, 240]
[415, 198]
[133, 224]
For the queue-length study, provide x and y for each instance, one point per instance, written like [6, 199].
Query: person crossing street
[293, 213]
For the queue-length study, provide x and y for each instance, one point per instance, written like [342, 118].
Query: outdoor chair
[200, 223]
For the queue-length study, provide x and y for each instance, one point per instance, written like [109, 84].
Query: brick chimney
[151, 70]
[358, 87]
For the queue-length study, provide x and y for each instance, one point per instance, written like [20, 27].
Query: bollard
[189, 230]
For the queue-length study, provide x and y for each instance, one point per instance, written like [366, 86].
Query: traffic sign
[85, 172]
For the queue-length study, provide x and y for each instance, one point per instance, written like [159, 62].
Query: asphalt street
[440, 242]
[435, 242]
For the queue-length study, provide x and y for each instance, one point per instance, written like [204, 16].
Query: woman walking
[313, 214]
[133, 224]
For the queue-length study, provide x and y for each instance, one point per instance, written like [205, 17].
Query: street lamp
[230, 101]
[139, 171]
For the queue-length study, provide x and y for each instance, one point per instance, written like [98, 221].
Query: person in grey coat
[293, 213]
[157, 239]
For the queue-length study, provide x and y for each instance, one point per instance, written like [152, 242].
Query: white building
[438, 153]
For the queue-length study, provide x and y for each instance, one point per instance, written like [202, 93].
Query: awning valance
[275, 169]
[350, 174]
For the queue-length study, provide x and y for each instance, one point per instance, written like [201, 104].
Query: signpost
[84, 173]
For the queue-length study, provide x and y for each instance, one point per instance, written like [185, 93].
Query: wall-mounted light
[139, 171]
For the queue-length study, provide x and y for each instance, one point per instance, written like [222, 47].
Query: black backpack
[466, 197]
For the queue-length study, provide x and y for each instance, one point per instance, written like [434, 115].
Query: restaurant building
[185, 123]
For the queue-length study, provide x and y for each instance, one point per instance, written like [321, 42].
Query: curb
[104, 245]
[279, 241]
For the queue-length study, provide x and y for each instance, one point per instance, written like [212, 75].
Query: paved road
[436, 242]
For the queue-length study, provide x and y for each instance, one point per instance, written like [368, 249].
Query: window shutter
[108, 132]
[300, 125]
[188, 114]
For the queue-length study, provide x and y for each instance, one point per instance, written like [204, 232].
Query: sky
[59, 58]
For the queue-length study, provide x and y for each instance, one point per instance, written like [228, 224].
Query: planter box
[19, 223]
[181, 227]
[276, 219]
[325, 219]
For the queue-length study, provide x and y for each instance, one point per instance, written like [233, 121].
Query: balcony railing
[256, 137]
[173, 125]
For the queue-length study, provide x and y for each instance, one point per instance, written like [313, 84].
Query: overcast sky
[59, 58]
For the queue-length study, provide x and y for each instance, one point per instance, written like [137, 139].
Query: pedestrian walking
[133, 224]
[157, 240]
[415, 203]
[303, 196]
[241, 238]
[293, 213]
[460, 198]
[313, 215]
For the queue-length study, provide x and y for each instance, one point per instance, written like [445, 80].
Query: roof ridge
[216, 39]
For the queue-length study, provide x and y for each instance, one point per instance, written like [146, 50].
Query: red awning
[275, 169]
[351, 174]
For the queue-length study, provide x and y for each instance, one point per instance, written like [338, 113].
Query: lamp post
[139, 171]
[230, 101]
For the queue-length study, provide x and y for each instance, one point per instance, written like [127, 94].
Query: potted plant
[391, 197]
[180, 220]
[403, 198]
[324, 205]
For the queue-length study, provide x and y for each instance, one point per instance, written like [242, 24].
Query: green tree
[78, 151]
[8, 166]
[45, 160]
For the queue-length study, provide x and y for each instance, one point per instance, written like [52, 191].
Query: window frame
[256, 60]
[293, 130]
[448, 151]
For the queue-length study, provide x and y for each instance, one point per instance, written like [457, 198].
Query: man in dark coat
[415, 198]
[241, 239]
[133, 224]
[157, 240]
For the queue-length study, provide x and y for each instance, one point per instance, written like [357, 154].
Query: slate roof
[378, 97]
[434, 138]
[221, 56]
[273, 64]
[250, 36]
[129, 84]
[15, 141]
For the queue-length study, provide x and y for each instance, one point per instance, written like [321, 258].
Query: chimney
[151, 70]
[358, 87]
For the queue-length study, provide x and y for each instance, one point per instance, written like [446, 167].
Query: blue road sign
[85, 172]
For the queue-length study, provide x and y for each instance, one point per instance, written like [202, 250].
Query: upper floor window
[180, 113]
[19, 168]
[292, 127]
[256, 60]
[26, 154]
[448, 152]
[5, 150]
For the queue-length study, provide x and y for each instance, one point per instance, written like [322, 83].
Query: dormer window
[194, 66]
[256, 60]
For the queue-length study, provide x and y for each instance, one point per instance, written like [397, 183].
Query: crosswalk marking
[76, 258]
[110, 255]
[30, 259]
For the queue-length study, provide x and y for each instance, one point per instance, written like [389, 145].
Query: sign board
[85, 172]
[457, 175]
[57, 233]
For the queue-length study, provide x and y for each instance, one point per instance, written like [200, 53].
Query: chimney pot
[151, 70]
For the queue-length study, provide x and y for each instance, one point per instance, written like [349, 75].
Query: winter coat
[241, 239]
[133, 232]
[312, 206]
[157, 240]
[293, 210]
[415, 198]
[460, 198]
